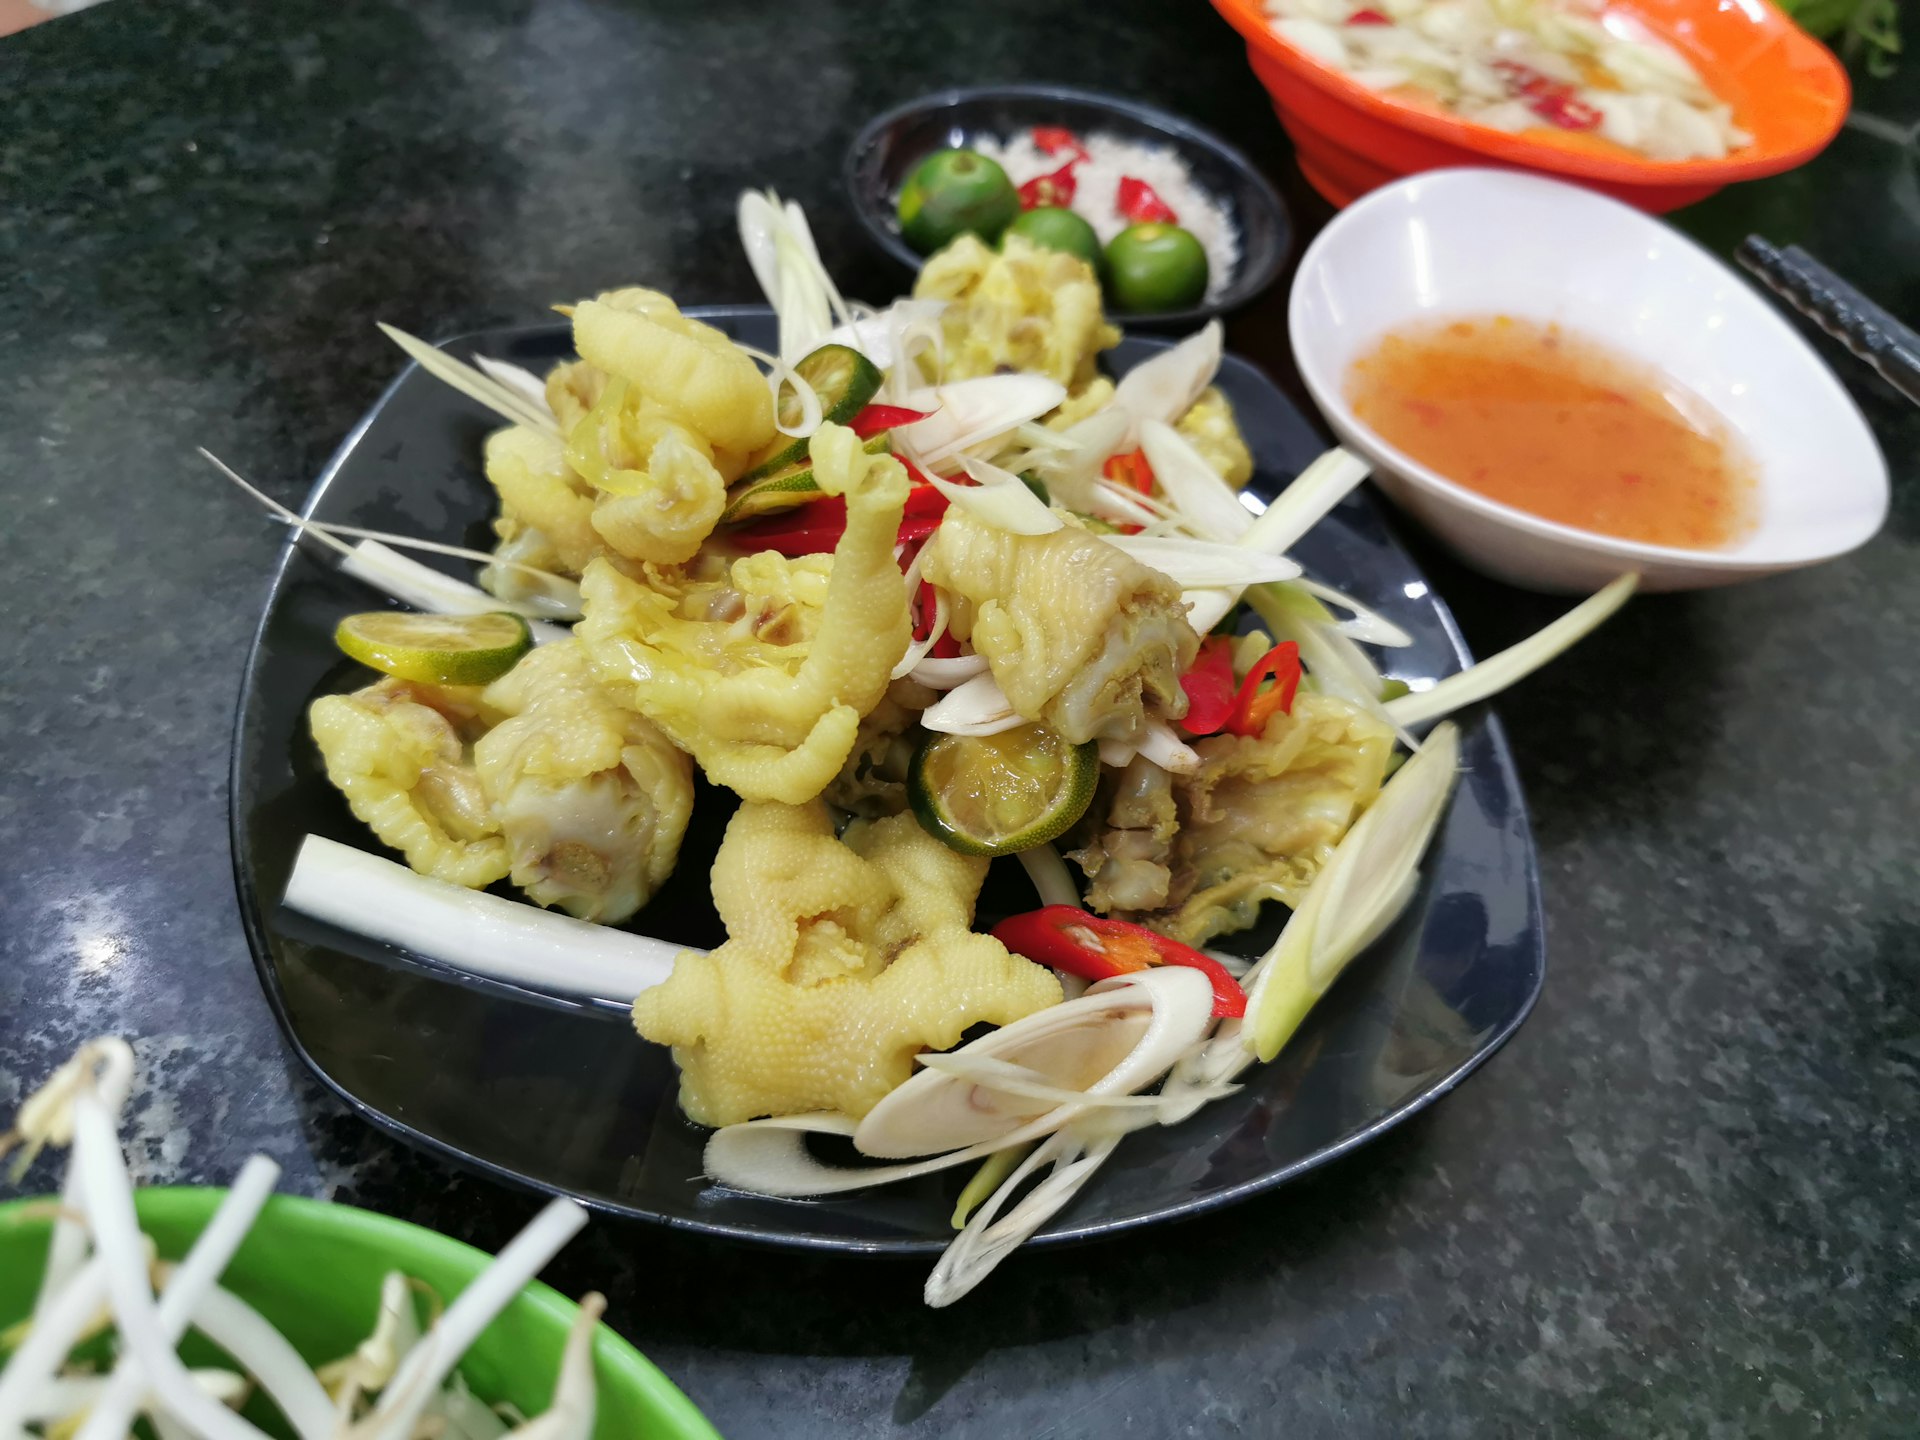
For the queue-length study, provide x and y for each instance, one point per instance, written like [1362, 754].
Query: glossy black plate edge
[1247, 287]
[259, 947]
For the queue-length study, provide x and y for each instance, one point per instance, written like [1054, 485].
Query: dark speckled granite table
[1680, 1203]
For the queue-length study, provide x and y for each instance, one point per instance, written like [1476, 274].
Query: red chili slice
[1567, 111]
[1253, 706]
[1137, 201]
[1209, 686]
[1369, 17]
[1050, 191]
[876, 418]
[1096, 948]
[1052, 139]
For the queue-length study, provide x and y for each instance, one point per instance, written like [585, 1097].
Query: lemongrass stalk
[185, 1288]
[987, 1179]
[471, 930]
[425, 588]
[47, 1342]
[938, 674]
[1194, 564]
[116, 1234]
[1362, 886]
[987, 1239]
[1367, 625]
[1206, 502]
[975, 707]
[565, 584]
[523, 382]
[503, 400]
[1497, 672]
[1305, 502]
[426, 1369]
[1052, 881]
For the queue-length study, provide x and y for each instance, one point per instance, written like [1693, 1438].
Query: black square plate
[566, 1098]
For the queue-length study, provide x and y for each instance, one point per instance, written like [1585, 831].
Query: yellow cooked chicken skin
[1209, 426]
[1023, 306]
[1262, 814]
[844, 959]
[592, 799]
[402, 755]
[763, 689]
[540, 491]
[1077, 633]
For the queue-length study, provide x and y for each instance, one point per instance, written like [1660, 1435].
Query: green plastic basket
[314, 1270]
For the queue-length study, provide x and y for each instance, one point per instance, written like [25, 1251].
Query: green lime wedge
[1001, 794]
[435, 649]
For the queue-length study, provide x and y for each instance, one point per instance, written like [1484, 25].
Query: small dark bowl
[890, 145]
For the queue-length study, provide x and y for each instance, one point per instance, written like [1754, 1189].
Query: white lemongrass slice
[116, 1235]
[560, 594]
[1117, 754]
[406, 580]
[974, 707]
[1203, 563]
[1119, 506]
[878, 336]
[1366, 625]
[770, 1157]
[1167, 750]
[186, 1288]
[994, 501]
[1206, 608]
[1006, 1078]
[1114, 1040]
[575, 1400]
[425, 588]
[503, 400]
[780, 249]
[946, 674]
[426, 1368]
[782, 375]
[1052, 881]
[1362, 886]
[55, 1331]
[470, 930]
[1208, 505]
[966, 412]
[1165, 387]
[524, 383]
[1072, 471]
[1497, 672]
[988, 1239]
[1305, 502]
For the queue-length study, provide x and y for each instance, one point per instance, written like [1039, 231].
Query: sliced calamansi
[435, 649]
[1001, 794]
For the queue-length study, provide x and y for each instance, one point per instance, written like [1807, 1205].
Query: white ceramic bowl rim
[1816, 385]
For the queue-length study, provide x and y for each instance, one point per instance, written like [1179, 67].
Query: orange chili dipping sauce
[1558, 425]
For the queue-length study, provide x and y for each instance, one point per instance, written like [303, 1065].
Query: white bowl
[1467, 242]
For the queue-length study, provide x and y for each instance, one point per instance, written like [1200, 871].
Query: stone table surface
[1681, 1202]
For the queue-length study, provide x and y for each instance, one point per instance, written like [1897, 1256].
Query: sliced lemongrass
[1204, 563]
[1070, 1159]
[426, 1368]
[1118, 506]
[1052, 881]
[974, 707]
[1305, 502]
[880, 336]
[1025, 1083]
[1497, 672]
[503, 400]
[938, 674]
[1361, 886]
[524, 383]
[781, 374]
[571, 1415]
[1206, 608]
[1117, 754]
[471, 930]
[984, 1181]
[780, 249]
[560, 602]
[116, 1236]
[1367, 625]
[999, 499]
[186, 1285]
[965, 413]
[1205, 501]
[425, 588]
[918, 651]
[1162, 747]
[1165, 387]
[1072, 471]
